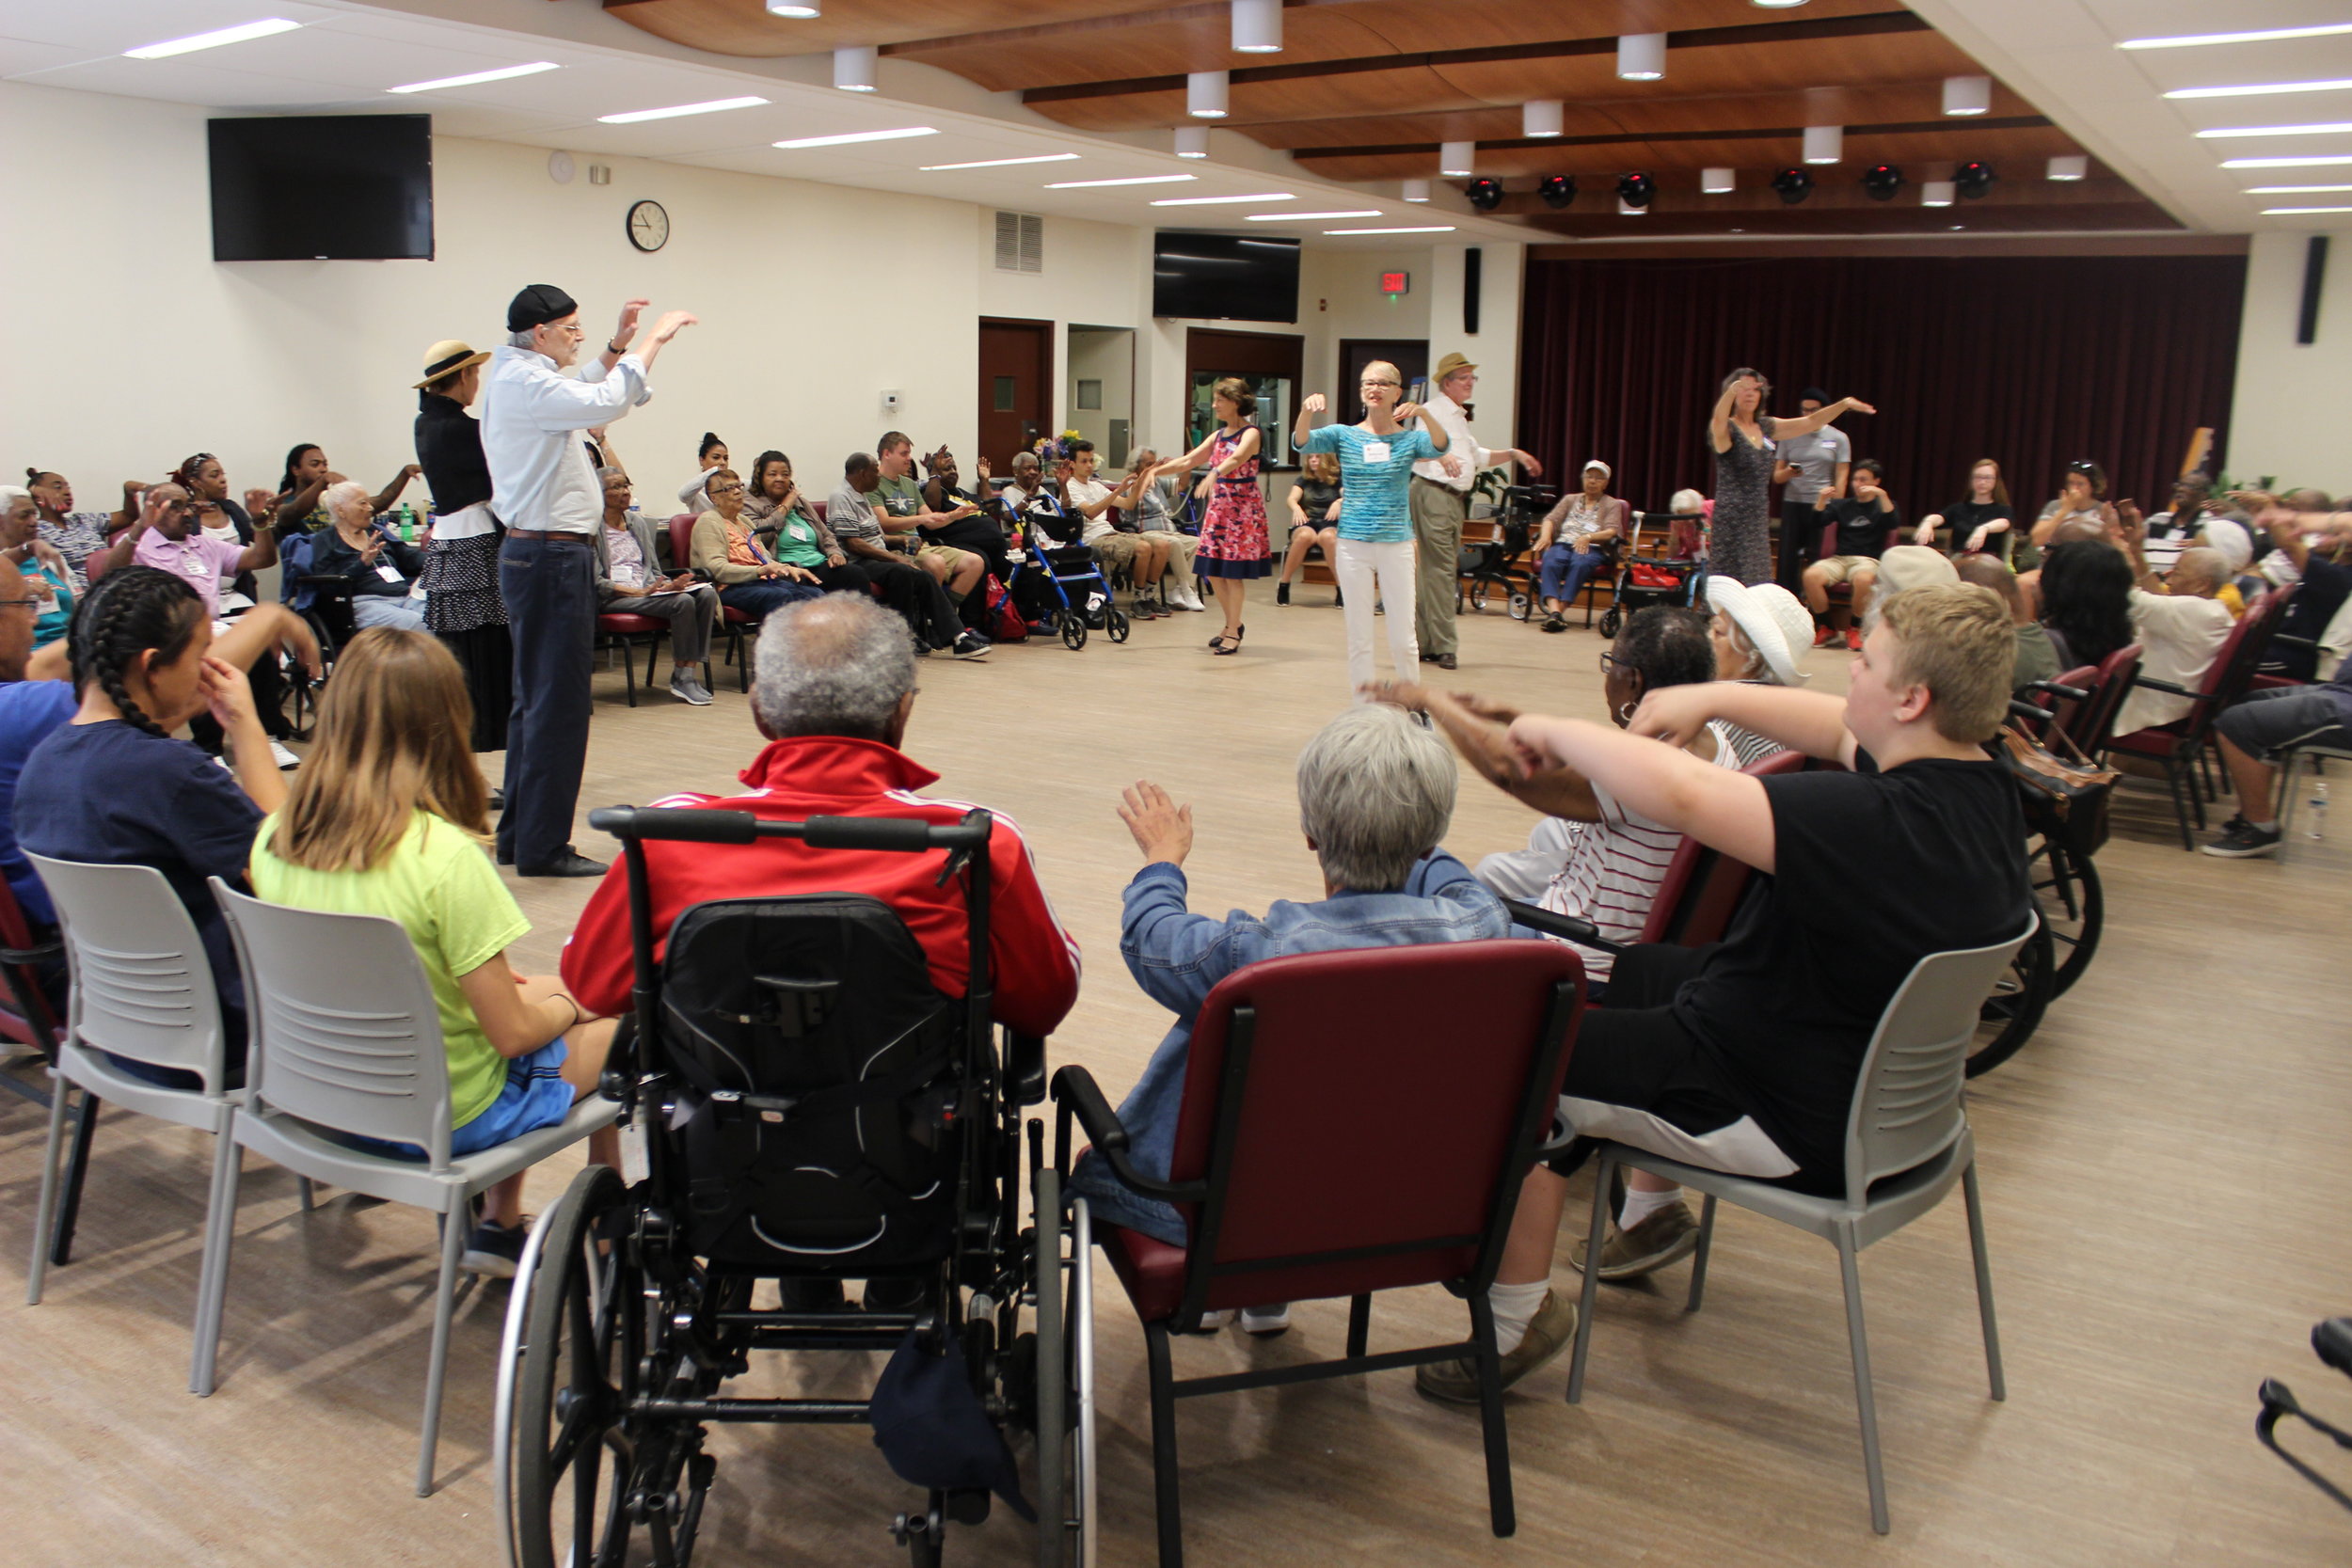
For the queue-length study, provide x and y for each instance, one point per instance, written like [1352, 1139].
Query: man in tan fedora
[1441, 504]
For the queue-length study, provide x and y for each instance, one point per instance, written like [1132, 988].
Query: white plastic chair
[142, 989]
[1907, 1144]
[346, 1039]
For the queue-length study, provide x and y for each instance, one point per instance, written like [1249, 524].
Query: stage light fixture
[1794, 185]
[1636, 190]
[1485, 195]
[1879, 181]
[1558, 190]
[1973, 179]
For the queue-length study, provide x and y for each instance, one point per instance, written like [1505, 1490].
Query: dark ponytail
[131, 610]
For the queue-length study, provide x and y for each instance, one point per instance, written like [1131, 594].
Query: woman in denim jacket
[1375, 793]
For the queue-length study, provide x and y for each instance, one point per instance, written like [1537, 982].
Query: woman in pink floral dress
[1233, 546]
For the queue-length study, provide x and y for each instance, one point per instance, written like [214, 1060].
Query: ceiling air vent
[1020, 242]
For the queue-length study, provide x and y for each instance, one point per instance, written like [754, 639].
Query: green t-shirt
[795, 544]
[440, 886]
[897, 497]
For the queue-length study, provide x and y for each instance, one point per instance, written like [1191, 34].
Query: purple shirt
[198, 561]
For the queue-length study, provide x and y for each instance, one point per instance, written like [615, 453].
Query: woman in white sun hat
[1758, 631]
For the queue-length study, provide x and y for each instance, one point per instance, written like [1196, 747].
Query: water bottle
[407, 524]
[2318, 807]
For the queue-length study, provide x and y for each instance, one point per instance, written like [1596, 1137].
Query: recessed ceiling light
[1772, 6]
[1957, 227]
[677, 110]
[2331, 129]
[2192, 41]
[1131, 180]
[1001, 162]
[1221, 200]
[2301, 212]
[798, 10]
[214, 39]
[2293, 190]
[1351, 213]
[1430, 229]
[502, 73]
[2258, 89]
[2326, 159]
[846, 137]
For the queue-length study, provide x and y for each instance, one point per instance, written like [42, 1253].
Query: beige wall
[2292, 415]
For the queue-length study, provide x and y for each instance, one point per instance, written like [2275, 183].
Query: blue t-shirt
[1372, 475]
[29, 710]
[113, 795]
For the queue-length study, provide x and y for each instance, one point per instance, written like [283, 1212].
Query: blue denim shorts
[533, 1096]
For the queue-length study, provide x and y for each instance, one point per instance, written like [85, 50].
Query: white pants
[1358, 566]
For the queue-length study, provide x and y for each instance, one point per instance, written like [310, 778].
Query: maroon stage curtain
[2034, 361]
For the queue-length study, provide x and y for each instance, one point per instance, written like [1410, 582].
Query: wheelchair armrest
[2154, 685]
[1077, 1093]
[1024, 1067]
[2071, 693]
[1552, 924]
[2280, 638]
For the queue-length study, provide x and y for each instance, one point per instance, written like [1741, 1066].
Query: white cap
[1592, 463]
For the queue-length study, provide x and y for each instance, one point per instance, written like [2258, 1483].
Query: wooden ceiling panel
[743, 27]
[1921, 155]
[1812, 221]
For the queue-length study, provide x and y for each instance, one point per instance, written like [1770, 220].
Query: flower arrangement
[1051, 449]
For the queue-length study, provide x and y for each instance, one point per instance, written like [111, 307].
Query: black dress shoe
[1446, 661]
[497, 799]
[569, 864]
[506, 857]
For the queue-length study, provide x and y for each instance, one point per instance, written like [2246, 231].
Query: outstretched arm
[1813, 722]
[1722, 808]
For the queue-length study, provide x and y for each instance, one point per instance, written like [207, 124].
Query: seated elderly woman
[725, 551]
[1590, 858]
[1567, 547]
[47, 577]
[381, 571]
[1375, 793]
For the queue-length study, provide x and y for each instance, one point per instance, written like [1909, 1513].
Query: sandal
[1224, 644]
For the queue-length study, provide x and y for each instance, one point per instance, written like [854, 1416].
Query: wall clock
[648, 225]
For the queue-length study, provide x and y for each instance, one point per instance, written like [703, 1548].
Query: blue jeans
[1564, 572]
[766, 597]
[549, 585]
[384, 610]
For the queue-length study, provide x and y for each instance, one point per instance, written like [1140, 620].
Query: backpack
[1003, 620]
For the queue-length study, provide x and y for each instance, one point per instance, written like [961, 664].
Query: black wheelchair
[811, 1109]
[1501, 568]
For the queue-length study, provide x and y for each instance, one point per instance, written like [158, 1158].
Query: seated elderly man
[1375, 793]
[2177, 622]
[832, 691]
[1743, 1056]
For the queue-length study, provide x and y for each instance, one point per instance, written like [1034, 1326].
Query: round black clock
[648, 225]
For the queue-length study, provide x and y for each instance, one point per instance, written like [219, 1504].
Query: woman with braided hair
[112, 787]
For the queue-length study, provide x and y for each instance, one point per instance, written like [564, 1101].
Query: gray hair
[337, 496]
[836, 665]
[524, 338]
[10, 495]
[2208, 562]
[1375, 793]
[610, 473]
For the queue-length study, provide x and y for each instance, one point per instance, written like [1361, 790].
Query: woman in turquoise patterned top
[1376, 527]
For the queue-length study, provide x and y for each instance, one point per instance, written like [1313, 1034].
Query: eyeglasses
[1611, 664]
[22, 604]
[1380, 383]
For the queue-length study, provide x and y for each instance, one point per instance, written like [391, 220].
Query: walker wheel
[1116, 624]
[1521, 606]
[1073, 627]
[1610, 620]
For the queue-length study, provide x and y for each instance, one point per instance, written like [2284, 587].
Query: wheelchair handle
[695, 826]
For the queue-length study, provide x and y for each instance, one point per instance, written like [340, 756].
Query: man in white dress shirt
[1440, 501]
[535, 405]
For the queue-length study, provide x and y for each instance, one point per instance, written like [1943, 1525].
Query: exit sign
[1396, 282]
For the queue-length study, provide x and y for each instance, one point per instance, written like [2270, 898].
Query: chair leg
[310, 1200]
[1358, 1323]
[1498, 1435]
[1861, 1344]
[1586, 1299]
[629, 667]
[1984, 1280]
[45, 1216]
[211, 1290]
[444, 1305]
[1164, 1446]
[77, 1168]
[2180, 805]
[2290, 789]
[1698, 1260]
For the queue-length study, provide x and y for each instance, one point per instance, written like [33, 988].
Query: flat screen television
[323, 187]
[1224, 276]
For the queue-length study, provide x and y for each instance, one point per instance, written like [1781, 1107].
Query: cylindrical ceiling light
[798, 10]
[1776, 5]
[1456, 158]
[1642, 56]
[854, 67]
[1967, 95]
[1542, 117]
[1257, 27]
[1716, 181]
[1626, 210]
[1416, 190]
[1205, 94]
[1824, 143]
[1935, 193]
[2072, 166]
[1192, 141]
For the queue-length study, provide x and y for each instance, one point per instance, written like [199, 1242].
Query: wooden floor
[2164, 1173]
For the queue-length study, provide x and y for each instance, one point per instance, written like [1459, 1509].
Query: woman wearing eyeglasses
[725, 550]
[47, 580]
[1743, 439]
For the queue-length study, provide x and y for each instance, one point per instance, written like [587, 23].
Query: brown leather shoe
[1668, 1236]
[1549, 1332]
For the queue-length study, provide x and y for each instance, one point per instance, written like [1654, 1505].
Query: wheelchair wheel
[1053, 1408]
[2074, 911]
[1073, 627]
[1611, 619]
[2010, 1016]
[1521, 606]
[1116, 625]
[1476, 593]
[572, 1462]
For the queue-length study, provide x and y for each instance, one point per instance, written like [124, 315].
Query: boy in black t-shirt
[1865, 520]
[1744, 1057]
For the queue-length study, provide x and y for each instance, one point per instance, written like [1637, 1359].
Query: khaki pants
[1438, 511]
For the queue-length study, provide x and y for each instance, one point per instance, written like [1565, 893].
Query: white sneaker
[285, 758]
[1185, 596]
[1266, 1320]
[685, 689]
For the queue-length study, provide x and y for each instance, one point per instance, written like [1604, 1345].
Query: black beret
[537, 306]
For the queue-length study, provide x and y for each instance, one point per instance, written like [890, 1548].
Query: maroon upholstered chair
[731, 620]
[1352, 1121]
[2179, 748]
[622, 629]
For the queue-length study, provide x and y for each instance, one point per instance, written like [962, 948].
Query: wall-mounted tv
[323, 187]
[1224, 276]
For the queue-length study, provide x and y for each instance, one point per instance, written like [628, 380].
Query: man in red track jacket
[835, 683]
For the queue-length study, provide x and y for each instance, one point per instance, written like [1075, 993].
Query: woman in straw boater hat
[462, 606]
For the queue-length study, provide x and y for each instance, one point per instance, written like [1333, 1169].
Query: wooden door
[1016, 387]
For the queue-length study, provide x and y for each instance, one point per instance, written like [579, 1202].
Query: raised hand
[671, 323]
[1859, 407]
[257, 501]
[1405, 412]
[631, 310]
[1161, 828]
[1317, 402]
